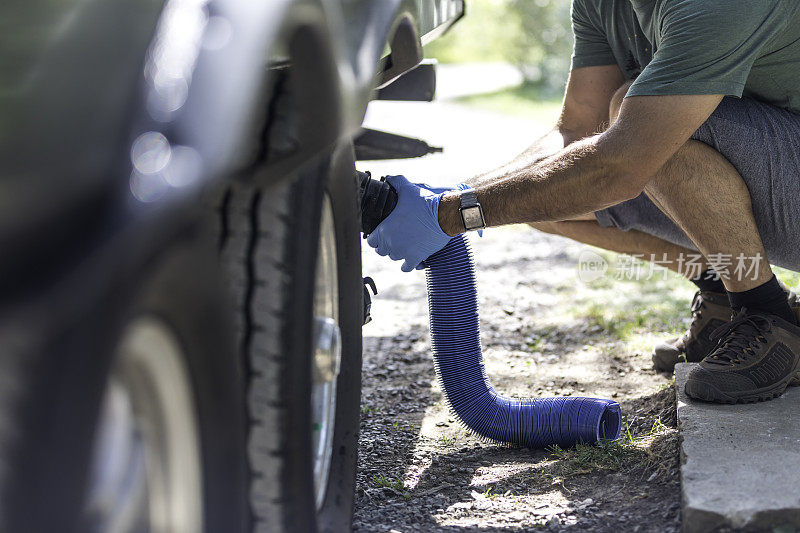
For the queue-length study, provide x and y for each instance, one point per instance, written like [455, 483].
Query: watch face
[473, 217]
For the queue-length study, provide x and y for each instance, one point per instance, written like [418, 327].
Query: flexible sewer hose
[457, 356]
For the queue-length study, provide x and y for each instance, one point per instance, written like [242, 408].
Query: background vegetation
[533, 35]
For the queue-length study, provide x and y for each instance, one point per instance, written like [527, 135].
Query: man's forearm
[579, 179]
[551, 143]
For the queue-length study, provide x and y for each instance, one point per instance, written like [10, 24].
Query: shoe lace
[738, 338]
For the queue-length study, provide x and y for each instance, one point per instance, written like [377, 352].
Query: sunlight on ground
[522, 101]
[544, 505]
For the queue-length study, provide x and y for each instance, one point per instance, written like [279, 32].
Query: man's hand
[411, 233]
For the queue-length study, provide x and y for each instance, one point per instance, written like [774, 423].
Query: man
[680, 132]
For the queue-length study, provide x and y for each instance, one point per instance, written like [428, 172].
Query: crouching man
[679, 135]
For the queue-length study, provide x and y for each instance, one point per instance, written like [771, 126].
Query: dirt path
[544, 333]
[420, 471]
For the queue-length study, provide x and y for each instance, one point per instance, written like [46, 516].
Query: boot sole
[665, 364]
[700, 390]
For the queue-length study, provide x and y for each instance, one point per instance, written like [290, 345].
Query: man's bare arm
[593, 173]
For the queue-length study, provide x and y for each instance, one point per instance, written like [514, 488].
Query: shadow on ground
[420, 471]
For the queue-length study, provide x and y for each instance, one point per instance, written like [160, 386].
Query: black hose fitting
[377, 199]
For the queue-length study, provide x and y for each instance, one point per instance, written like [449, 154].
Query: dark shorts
[763, 143]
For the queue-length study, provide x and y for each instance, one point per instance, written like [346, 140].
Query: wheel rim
[326, 354]
[145, 470]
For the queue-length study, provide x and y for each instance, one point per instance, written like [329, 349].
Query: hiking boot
[757, 357]
[710, 310]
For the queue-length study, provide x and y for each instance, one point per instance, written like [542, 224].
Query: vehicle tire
[291, 252]
[128, 416]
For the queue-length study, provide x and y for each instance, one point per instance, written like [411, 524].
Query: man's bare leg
[705, 196]
[588, 231]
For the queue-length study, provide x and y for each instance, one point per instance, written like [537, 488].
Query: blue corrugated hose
[531, 422]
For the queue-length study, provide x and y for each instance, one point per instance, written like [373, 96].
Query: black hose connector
[377, 200]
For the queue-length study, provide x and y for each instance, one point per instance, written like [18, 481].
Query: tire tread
[252, 254]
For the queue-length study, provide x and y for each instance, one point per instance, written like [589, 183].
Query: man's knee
[616, 101]
[690, 165]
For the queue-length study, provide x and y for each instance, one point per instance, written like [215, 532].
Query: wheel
[291, 253]
[130, 418]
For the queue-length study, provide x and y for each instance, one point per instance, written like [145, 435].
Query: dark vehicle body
[137, 138]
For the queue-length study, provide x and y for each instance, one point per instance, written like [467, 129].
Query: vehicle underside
[180, 325]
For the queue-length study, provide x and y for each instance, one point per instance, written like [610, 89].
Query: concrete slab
[740, 464]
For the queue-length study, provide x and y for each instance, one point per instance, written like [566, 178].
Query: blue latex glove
[411, 232]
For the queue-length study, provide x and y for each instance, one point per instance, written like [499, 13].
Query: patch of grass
[792, 279]
[633, 311]
[536, 344]
[492, 495]
[586, 458]
[625, 454]
[524, 101]
[368, 409]
[447, 441]
[385, 482]
[399, 426]
[658, 426]
[624, 323]
[668, 385]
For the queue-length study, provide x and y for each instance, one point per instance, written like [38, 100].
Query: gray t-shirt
[730, 47]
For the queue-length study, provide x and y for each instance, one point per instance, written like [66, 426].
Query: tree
[542, 45]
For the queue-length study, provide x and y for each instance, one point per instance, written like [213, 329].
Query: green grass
[492, 495]
[792, 279]
[637, 311]
[447, 441]
[586, 458]
[524, 101]
[537, 344]
[633, 310]
[620, 455]
[383, 481]
[635, 316]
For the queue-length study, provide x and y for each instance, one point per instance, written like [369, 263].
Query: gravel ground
[544, 333]
[419, 470]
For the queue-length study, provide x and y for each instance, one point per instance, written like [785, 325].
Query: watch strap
[469, 198]
[471, 210]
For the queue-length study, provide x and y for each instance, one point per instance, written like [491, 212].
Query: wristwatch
[471, 211]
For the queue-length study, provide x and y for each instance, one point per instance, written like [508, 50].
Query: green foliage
[534, 35]
[542, 48]
[483, 35]
[383, 481]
